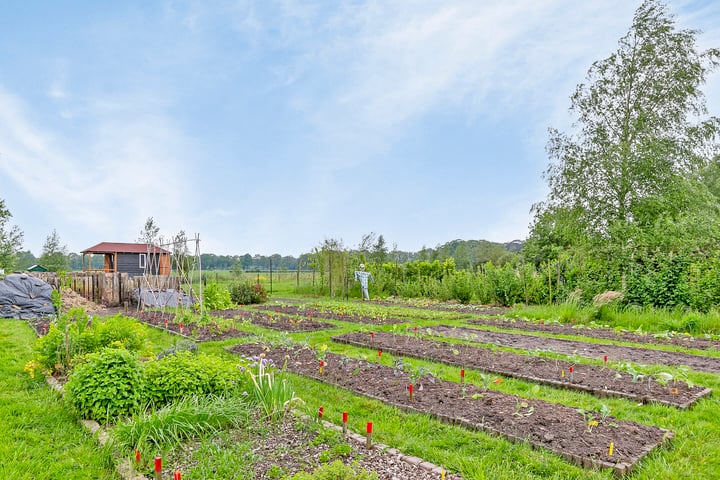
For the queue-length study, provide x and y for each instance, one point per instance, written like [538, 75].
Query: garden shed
[131, 258]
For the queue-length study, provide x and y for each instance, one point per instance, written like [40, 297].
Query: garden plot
[600, 381]
[310, 312]
[605, 333]
[274, 321]
[204, 332]
[640, 355]
[589, 439]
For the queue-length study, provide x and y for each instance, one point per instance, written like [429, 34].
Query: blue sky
[269, 126]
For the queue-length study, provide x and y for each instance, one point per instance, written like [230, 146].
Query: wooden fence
[110, 289]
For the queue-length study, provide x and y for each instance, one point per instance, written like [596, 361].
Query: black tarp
[24, 296]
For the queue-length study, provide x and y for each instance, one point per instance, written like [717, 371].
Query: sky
[267, 127]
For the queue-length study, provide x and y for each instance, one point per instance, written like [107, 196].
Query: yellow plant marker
[611, 449]
[442, 475]
[562, 373]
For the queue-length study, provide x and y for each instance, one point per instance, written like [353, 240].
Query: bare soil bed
[293, 446]
[310, 312]
[611, 443]
[446, 307]
[669, 338]
[273, 321]
[640, 355]
[600, 381]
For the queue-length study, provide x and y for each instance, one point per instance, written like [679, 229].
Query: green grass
[41, 438]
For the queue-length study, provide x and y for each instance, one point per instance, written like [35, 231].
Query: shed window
[142, 260]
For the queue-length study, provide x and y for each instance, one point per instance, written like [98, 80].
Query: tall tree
[642, 131]
[379, 250]
[11, 239]
[149, 233]
[54, 255]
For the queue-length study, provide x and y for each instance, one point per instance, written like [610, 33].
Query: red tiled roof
[115, 247]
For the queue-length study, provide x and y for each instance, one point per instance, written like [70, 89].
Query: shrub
[461, 288]
[247, 292]
[108, 385]
[185, 374]
[76, 334]
[217, 297]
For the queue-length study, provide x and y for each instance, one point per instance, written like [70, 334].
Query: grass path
[41, 439]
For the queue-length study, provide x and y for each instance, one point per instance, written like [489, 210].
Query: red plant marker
[605, 359]
[542, 322]
[158, 468]
[379, 353]
[177, 476]
[137, 456]
[415, 328]
[166, 323]
[322, 364]
[462, 375]
[369, 427]
[320, 412]
[410, 389]
[368, 443]
[344, 422]
[181, 327]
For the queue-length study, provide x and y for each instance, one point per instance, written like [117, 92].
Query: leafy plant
[108, 385]
[76, 334]
[589, 418]
[186, 374]
[217, 297]
[247, 292]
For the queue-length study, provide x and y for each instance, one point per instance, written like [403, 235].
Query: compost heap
[23, 296]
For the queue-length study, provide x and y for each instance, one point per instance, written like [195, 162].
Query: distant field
[275, 282]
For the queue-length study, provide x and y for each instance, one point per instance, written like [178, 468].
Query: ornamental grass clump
[269, 389]
[186, 418]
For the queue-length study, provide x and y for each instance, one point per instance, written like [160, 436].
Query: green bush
[247, 292]
[76, 334]
[108, 385]
[185, 374]
[461, 288]
[217, 297]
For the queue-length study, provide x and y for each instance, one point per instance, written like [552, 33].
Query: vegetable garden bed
[589, 439]
[645, 356]
[600, 381]
[311, 312]
[273, 321]
[668, 338]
